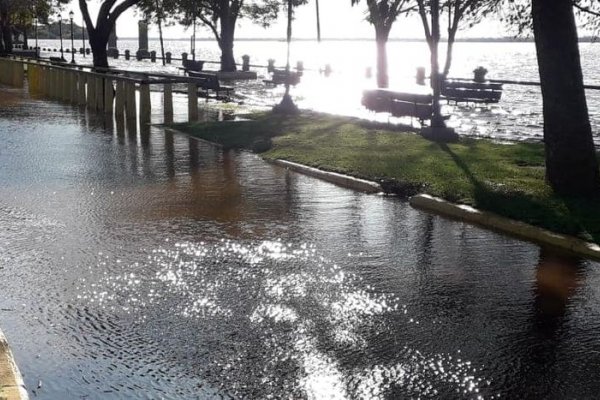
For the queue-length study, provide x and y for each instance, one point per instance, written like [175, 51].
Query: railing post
[74, 86]
[130, 104]
[145, 107]
[168, 103]
[99, 93]
[81, 88]
[192, 102]
[120, 99]
[91, 92]
[64, 86]
[108, 95]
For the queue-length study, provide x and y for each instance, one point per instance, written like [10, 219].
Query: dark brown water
[155, 266]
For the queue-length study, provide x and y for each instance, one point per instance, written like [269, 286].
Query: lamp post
[35, 21]
[71, 15]
[83, 35]
[62, 53]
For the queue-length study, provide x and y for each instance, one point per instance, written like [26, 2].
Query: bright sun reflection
[300, 300]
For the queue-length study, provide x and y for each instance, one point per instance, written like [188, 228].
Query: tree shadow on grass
[573, 216]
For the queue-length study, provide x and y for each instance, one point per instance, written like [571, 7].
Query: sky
[338, 20]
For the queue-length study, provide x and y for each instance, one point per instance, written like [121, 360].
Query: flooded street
[152, 265]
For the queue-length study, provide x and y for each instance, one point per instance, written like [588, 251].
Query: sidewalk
[11, 382]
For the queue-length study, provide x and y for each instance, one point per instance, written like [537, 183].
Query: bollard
[168, 57]
[192, 102]
[184, 57]
[145, 106]
[271, 65]
[153, 56]
[130, 105]
[81, 80]
[109, 94]
[88, 51]
[168, 103]
[81, 51]
[300, 67]
[127, 55]
[245, 63]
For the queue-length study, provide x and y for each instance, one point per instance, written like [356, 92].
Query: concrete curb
[173, 130]
[11, 381]
[506, 225]
[460, 212]
[333, 177]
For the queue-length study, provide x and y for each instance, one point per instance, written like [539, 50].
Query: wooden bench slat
[472, 85]
[472, 95]
[404, 109]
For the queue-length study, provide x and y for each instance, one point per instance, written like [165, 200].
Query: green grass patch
[507, 179]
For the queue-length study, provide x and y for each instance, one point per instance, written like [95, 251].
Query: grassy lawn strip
[507, 179]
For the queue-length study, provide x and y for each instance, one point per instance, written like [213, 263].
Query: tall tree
[382, 14]
[571, 164]
[463, 13]
[19, 15]
[221, 17]
[109, 12]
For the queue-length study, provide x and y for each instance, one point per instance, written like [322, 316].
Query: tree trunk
[98, 43]
[381, 39]
[5, 34]
[449, 49]
[160, 32]
[571, 165]
[436, 119]
[25, 38]
[226, 45]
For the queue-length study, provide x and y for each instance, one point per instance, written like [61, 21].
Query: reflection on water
[138, 263]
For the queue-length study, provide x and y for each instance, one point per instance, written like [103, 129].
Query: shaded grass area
[507, 179]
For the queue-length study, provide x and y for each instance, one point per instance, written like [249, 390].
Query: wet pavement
[151, 265]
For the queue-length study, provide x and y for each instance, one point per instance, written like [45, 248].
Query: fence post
[91, 92]
[168, 103]
[145, 107]
[192, 102]
[81, 88]
[120, 98]
[130, 106]
[99, 93]
[108, 95]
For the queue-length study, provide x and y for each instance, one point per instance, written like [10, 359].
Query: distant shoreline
[464, 40]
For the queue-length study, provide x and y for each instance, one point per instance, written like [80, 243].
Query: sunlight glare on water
[152, 265]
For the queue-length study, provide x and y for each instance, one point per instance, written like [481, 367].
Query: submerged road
[155, 266]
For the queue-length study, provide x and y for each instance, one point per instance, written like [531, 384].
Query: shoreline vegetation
[503, 178]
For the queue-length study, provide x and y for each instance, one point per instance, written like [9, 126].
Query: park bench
[399, 104]
[210, 81]
[192, 65]
[280, 76]
[471, 91]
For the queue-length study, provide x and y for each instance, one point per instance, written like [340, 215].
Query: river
[152, 265]
[518, 116]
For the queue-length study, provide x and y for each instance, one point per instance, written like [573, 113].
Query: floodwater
[517, 117]
[151, 265]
